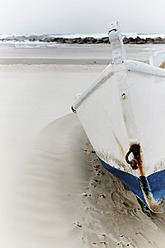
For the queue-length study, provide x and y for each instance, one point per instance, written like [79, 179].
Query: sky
[81, 16]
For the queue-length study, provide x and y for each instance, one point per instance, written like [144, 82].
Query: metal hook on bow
[135, 150]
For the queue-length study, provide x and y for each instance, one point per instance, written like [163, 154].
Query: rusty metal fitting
[135, 150]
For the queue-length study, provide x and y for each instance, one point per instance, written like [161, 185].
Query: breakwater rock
[92, 40]
[89, 40]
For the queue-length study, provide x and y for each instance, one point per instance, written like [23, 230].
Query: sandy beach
[73, 54]
[53, 190]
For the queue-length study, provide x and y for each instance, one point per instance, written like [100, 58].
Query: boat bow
[123, 115]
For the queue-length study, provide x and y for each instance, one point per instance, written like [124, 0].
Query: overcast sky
[81, 16]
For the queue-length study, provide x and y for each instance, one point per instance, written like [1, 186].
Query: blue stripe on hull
[156, 182]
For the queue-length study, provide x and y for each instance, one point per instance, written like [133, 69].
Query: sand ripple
[48, 192]
[63, 197]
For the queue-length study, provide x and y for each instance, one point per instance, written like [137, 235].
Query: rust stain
[137, 163]
[125, 118]
[136, 150]
[119, 144]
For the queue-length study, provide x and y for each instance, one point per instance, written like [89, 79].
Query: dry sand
[53, 190]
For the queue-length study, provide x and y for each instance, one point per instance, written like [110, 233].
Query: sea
[37, 40]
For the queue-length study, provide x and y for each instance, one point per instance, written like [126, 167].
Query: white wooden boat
[123, 115]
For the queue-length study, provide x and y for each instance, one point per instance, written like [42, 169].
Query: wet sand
[73, 54]
[53, 190]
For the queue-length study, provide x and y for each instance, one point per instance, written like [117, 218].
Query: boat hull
[123, 115]
[156, 184]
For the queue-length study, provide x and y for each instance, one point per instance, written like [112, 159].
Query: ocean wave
[25, 37]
